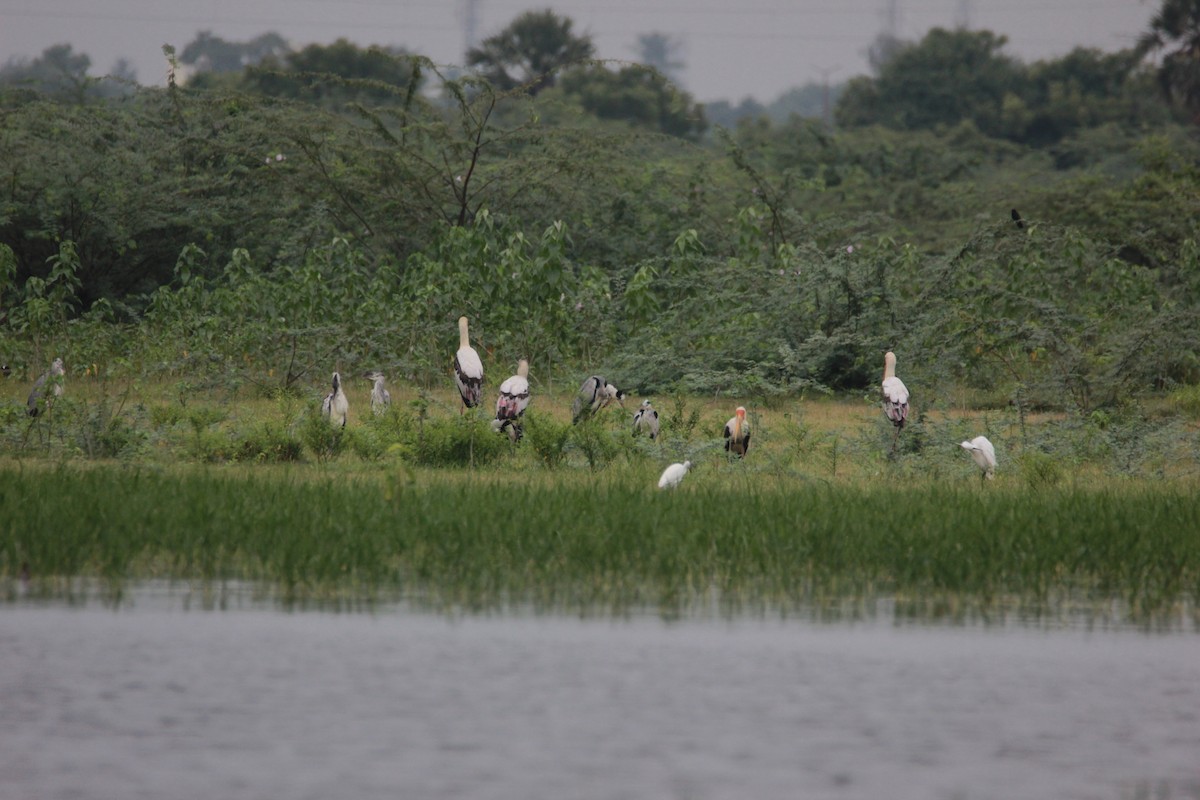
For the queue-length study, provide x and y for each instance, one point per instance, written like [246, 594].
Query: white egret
[673, 475]
[512, 402]
[646, 418]
[381, 398]
[984, 454]
[895, 396]
[595, 394]
[737, 433]
[468, 369]
[54, 376]
[335, 407]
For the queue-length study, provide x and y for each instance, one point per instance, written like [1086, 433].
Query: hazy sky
[732, 50]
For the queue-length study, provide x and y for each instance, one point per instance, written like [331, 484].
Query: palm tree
[1175, 30]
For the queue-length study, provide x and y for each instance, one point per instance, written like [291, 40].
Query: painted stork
[35, 404]
[595, 394]
[895, 396]
[646, 418]
[673, 475]
[512, 402]
[335, 407]
[984, 454]
[381, 398]
[737, 433]
[468, 369]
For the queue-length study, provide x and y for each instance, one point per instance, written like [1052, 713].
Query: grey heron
[595, 394]
[42, 396]
[335, 407]
[646, 418]
[381, 398]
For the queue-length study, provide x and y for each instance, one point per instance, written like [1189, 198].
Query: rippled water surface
[154, 701]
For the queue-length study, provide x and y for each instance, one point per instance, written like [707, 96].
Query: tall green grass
[602, 542]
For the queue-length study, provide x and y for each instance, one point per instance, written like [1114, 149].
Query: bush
[547, 438]
[1040, 470]
[595, 442]
[467, 440]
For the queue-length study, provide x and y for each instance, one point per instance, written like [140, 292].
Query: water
[155, 701]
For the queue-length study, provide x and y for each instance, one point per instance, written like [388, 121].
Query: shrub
[547, 438]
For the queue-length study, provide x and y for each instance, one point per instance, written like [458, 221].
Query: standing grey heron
[737, 433]
[646, 418]
[42, 396]
[984, 453]
[895, 396]
[335, 407]
[381, 398]
[468, 369]
[595, 394]
[513, 400]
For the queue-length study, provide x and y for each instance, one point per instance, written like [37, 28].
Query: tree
[638, 95]
[1176, 28]
[530, 51]
[661, 51]
[208, 53]
[59, 71]
[338, 73]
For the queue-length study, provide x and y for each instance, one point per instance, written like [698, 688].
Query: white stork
[53, 376]
[984, 454]
[335, 407]
[646, 418]
[513, 400]
[381, 398]
[737, 433]
[468, 369]
[895, 396]
[673, 475]
[595, 394]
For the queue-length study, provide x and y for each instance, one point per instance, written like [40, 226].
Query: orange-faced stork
[984, 454]
[512, 402]
[895, 396]
[381, 398]
[595, 394]
[335, 406]
[39, 400]
[646, 418]
[737, 433]
[468, 369]
[673, 475]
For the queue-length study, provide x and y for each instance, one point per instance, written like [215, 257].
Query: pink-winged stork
[335, 407]
[737, 433]
[895, 396]
[468, 369]
[512, 402]
[595, 394]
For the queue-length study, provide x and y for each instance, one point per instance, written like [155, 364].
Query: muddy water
[154, 701]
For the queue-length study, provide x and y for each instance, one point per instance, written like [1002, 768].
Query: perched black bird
[1017, 219]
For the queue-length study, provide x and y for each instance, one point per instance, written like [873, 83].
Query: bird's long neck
[889, 367]
[523, 369]
[463, 339]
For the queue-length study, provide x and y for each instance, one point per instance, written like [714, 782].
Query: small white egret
[38, 397]
[646, 418]
[737, 433]
[335, 407]
[595, 394]
[381, 398]
[673, 475]
[512, 402]
[984, 454]
[468, 369]
[895, 396]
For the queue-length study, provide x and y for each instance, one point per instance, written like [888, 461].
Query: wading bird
[38, 397]
[737, 433]
[381, 398]
[512, 402]
[895, 396]
[673, 474]
[1016, 217]
[335, 407]
[595, 394]
[984, 454]
[468, 369]
[646, 419]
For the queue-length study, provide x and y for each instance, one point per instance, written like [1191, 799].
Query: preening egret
[53, 376]
[595, 394]
[646, 419]
[673, 474]
[381, 398]
[513, 400]
[984, 454]
[335, 407]
[895, 396]
[468, 369]
[737, 433]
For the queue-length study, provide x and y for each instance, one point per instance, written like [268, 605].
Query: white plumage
[513, 400]
[673, 475]
[35, 403]
[595, 394]
[468, 369]
[646, 419]
[895, 396]
[737, 433]
[336, 407]
[984, 454]
[381, 398]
